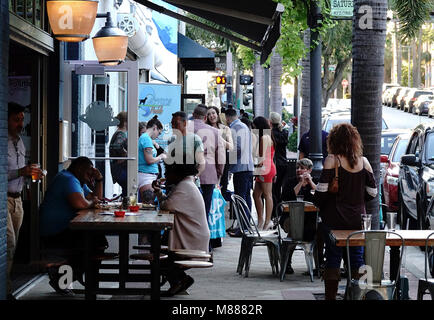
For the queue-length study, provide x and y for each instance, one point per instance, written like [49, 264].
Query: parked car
[416, 178]
[431, 109]
[421, 105]
[390, 94]
[393, 101]
[390, 174]
[411, 98]
[343, 117]
[386, 95]
[400, 100]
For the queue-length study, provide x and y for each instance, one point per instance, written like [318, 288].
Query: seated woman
[301, 185]
[190, 229]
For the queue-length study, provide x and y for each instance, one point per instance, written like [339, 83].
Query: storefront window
[31, 10]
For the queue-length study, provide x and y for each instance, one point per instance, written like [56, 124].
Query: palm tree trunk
[258, 89]
[367, 82]
[304, 117]
[276, 89]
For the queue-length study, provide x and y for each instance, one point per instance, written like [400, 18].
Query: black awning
[256, 21]
[193, 56]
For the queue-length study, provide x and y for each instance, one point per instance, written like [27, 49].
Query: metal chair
[296, 236]
[375, 287]
[252, 237]
[426, 284]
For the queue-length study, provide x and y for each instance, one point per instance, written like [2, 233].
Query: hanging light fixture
[72, 21]
[110, 43]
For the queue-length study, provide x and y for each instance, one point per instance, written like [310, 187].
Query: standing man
[215, 155]
[17, 171]
[241, 159]
[304, 145]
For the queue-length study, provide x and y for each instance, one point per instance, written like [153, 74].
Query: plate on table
[146, 206]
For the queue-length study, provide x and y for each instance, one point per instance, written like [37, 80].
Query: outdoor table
[411, 238]
[152, 222]
[307, 207]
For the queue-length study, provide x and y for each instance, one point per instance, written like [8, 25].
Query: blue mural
[167, 27]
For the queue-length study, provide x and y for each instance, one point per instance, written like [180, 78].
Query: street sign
[341, 8]
[344, 83]
[246, 79]
[220, 63]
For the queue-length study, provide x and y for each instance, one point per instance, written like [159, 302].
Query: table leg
[394, 269]
[89, 293]
[123, 258]
[155, 266]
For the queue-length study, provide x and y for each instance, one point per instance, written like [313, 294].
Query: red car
[391, 171]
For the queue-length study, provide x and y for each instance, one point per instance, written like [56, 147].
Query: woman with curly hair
[343, 210]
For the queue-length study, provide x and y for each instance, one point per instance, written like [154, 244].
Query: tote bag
[216, 217]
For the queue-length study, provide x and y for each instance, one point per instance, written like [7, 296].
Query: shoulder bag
[334, 185]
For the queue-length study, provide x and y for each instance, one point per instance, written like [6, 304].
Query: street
[398, 119]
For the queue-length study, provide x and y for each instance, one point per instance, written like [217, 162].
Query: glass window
[387, 143]
[399, 150]
[429, 147]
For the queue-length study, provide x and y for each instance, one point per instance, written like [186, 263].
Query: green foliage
[286, 116]
[292, 142]
[411, 14]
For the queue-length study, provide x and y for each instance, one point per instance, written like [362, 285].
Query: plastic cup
[391, 220]
[366, 221]
[35, 176]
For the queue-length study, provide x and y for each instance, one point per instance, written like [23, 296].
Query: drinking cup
[391, 220]
[35, 176]
[366, 221]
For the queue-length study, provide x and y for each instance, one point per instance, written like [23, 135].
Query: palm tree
[367, 81]
[368, 70]
[276, 88]
[304, 115]
[258, 89]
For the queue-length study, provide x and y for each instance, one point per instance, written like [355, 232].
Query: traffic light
[220, 80]
[245, 79]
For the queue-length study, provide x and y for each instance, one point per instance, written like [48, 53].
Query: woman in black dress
[343, 210]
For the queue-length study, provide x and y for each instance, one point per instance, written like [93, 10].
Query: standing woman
[118, 148]
[213, 119]
[343, 210]
[280, 136]
[148, 159]
[267, 172]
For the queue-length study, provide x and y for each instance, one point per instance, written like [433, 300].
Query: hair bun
[155, 117]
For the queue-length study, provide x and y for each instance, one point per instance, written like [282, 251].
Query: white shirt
[16, 160]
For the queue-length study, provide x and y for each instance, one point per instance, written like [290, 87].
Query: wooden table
[152, 222]
[411, 238]
[307, 207]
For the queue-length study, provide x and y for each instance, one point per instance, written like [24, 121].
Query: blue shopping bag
[216, 217]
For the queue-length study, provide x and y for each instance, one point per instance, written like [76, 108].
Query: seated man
[301, 185]
[67, 194]
[190, 229]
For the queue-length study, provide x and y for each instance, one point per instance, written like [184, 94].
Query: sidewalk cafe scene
[231, 151]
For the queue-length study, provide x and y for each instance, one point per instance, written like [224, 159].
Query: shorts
[146, 178]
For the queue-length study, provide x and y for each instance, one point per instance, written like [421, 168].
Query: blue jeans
[243, 183]
[334, 254]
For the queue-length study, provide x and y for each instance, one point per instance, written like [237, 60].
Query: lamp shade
[110, 44]
[110, 51]
[72, 21]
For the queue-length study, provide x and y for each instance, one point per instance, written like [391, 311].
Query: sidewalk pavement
[221, 282]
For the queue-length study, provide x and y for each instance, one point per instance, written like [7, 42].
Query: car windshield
[400, 149]
[387, 142]
[419, 93]
[429, 147]
[332, 122]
